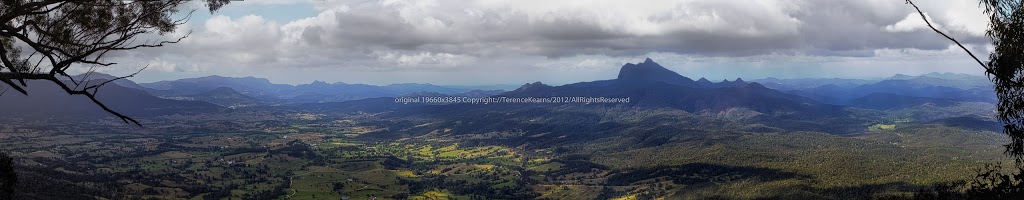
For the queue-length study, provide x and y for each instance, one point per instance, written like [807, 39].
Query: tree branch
[67, 89]
[986, 67]
[114, 79]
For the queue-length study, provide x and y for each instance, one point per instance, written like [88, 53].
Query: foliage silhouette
[64, 34]
[8, 178]
[1006, 68]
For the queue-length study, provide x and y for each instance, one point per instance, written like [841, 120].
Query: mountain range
[899, 87]
[653, 86]
[317, 91]
[648, 85]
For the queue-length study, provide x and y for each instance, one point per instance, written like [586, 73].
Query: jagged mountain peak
[532, 86]
[901, 77]
[755, 85]
[650, 71]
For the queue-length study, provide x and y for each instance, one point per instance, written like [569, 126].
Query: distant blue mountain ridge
[648, 83]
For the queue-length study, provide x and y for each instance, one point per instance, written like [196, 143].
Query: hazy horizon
[553, 82]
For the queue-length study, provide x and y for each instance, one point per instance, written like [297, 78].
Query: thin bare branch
[986, 67]
[118, 78]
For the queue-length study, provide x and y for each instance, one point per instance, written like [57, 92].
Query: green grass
[545, 167]
[881, 127]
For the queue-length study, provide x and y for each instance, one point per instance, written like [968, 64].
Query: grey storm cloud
[722, 28]
[439, 35]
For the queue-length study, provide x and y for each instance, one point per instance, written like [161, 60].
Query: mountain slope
[973, 122]
[250, 86]
[49, 100]
[224, 96]
[97, 78]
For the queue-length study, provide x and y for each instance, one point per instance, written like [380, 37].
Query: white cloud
[422, 58]
[912, 22]
[163, 66]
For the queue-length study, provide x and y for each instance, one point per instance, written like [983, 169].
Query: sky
[482, 42]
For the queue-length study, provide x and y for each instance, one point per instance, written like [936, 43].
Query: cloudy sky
[472, 42]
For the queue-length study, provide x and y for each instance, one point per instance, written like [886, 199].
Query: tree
[7, 177]
[42, 39]
[1005, 67]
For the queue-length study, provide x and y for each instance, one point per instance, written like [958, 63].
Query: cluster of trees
[478, 190]
[44, 183]
[8, 178]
